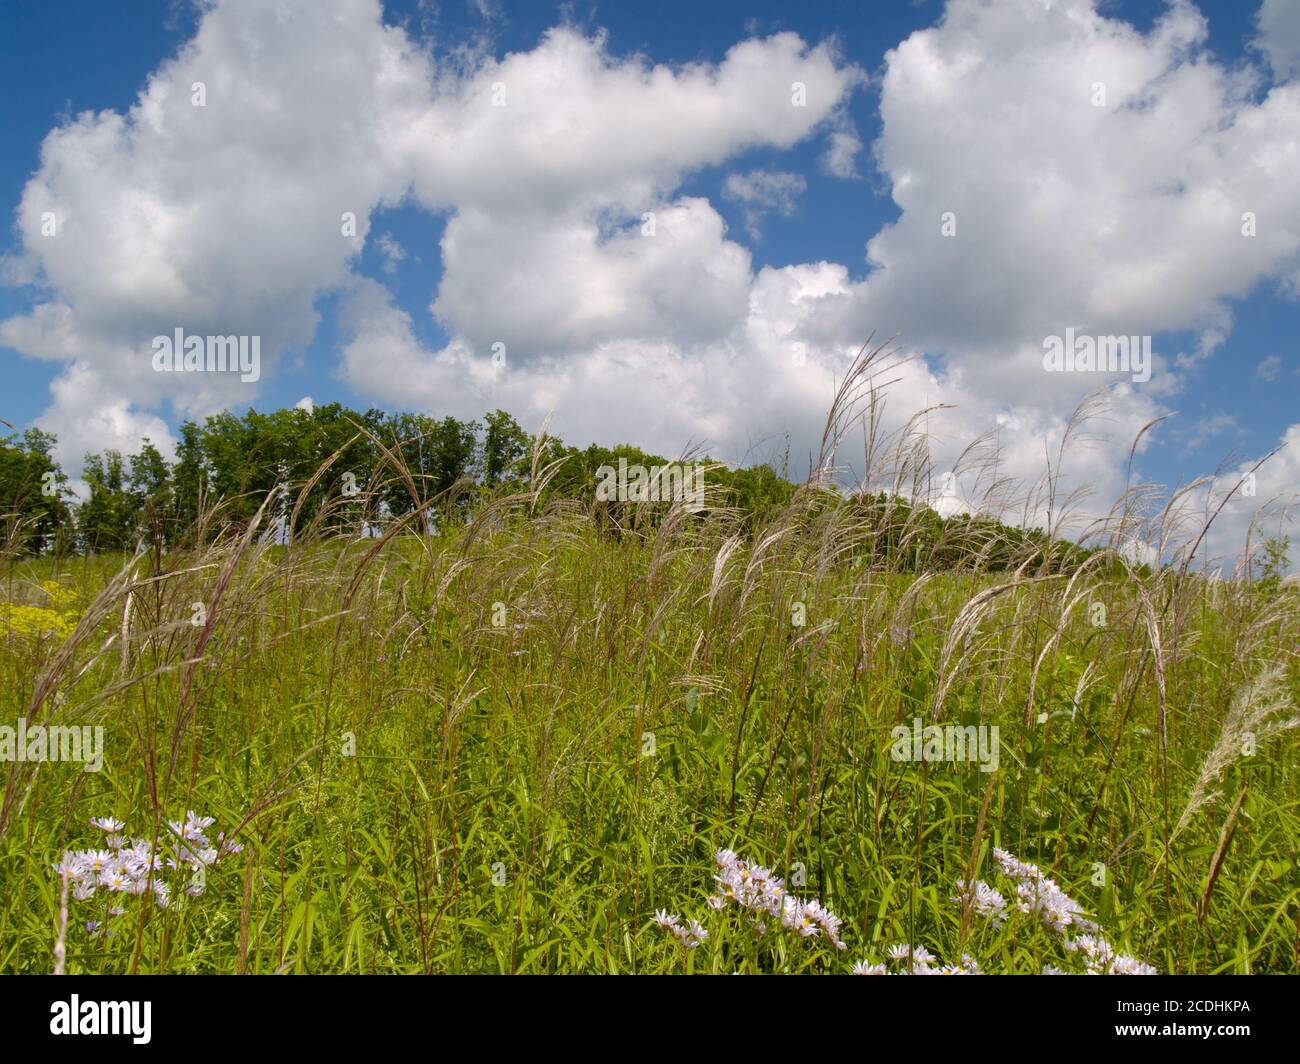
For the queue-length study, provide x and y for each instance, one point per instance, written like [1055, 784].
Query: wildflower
[115, 878]
[96, 862]
[140, 867]
[191, 830]
[665, 920]
[1038, 894]
[763, 893]
[983, 901]
[690, 936]
[864, 968]
[73, 865]
[1126, 965]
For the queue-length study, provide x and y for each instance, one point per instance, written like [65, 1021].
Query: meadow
[517, 745]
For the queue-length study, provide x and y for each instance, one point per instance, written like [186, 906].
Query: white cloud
[1123, 219]
[576, 126]
[226, 219]
[840, 157]
[761, 191]
[1118, 219]
[222, 219]
[555, 283]
[1279, 36]
[1256, 509]
[94, 421]
[392, 253]
[1207, 428]
[1270, 368]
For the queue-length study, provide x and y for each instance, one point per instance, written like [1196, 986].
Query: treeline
[381, 466]
[238, 460]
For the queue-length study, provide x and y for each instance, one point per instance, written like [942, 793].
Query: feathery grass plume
[1256, 716]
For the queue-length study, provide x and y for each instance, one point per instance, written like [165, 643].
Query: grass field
[507, 747]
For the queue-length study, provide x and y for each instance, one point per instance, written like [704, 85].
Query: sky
[674, 224]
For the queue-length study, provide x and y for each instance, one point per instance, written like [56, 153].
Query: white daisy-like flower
[115, 878]
[983, 901]
[1126, 965]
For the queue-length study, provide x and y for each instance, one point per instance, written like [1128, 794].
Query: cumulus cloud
[221, 219]
[1053, 169]
[568, 124]
[558, 284]
[234, 217]
[1279, 36]
[1097, 178]
[1059, 169]
[1261, 503]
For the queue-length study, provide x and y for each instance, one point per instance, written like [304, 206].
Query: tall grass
[503, 747]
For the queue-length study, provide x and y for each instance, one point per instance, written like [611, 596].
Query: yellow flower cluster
[59, 618]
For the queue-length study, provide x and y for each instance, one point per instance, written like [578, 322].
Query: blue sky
[362, 329]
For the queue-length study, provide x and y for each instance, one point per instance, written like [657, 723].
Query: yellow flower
[59, 619]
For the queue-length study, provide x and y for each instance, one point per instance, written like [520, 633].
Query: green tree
[504, 444]
[34, 491]
[106, 519]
